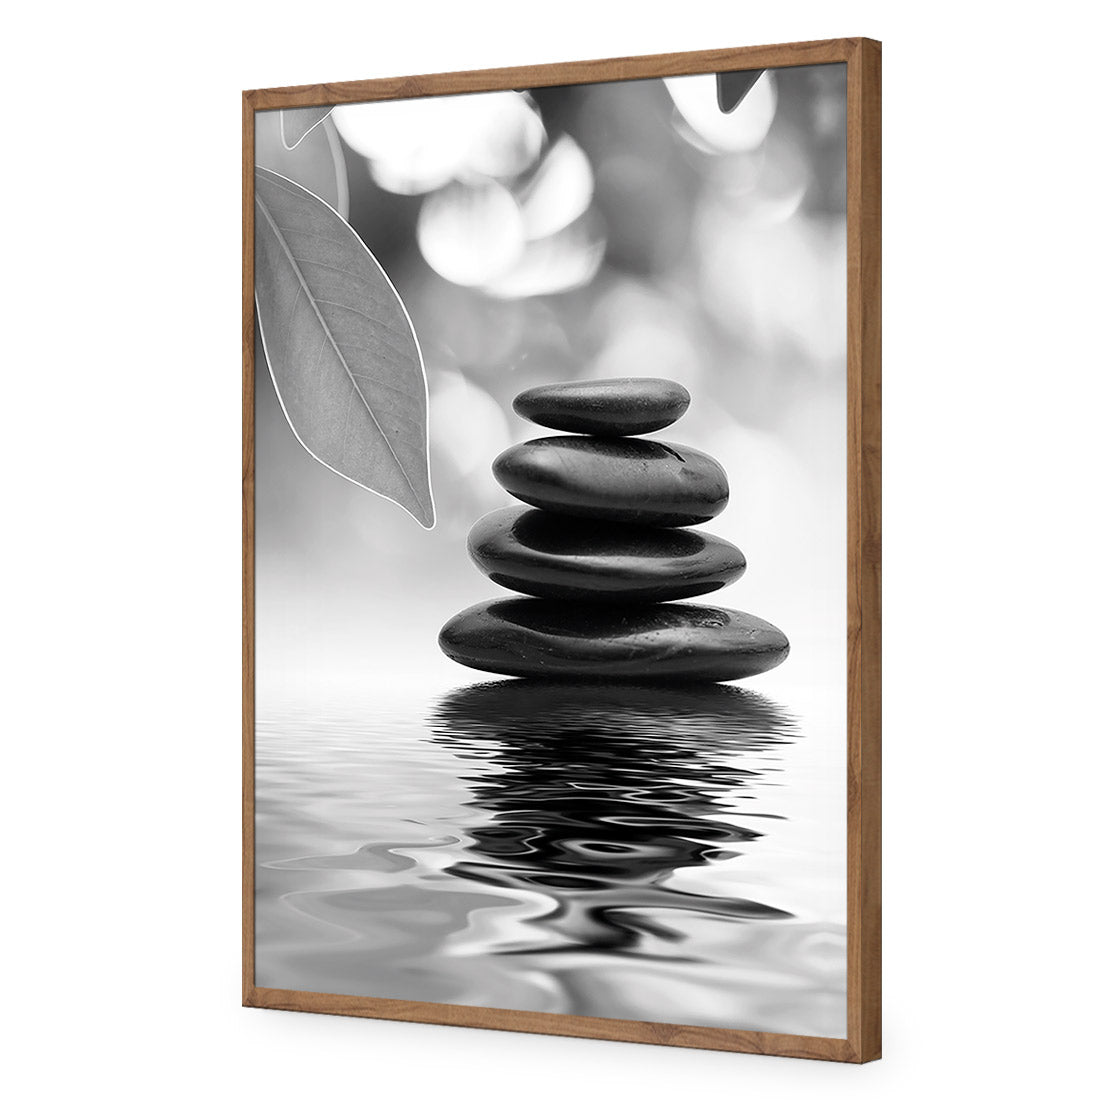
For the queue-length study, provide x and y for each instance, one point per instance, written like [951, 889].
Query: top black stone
[613, 406]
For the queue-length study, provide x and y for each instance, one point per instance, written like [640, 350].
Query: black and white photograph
[550, 550]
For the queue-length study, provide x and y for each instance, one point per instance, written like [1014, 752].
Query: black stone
[618, 406]
[542, 554]
[552, 638]
[623, 480]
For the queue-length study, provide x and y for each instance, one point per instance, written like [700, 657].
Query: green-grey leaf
[298, 121]
[340, 347]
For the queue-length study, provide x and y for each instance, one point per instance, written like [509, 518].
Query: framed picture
[562, 549]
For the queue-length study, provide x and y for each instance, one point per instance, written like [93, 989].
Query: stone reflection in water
[604, 790]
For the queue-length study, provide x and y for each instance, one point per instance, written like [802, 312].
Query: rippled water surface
[619, 851]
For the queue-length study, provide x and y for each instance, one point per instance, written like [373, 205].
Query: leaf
[340, 346]
[298, 121]
[732, 88]
[316, 163]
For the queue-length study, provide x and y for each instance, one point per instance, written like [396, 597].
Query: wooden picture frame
[863, 60]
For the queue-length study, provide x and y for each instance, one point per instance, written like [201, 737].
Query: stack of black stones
[604, 547]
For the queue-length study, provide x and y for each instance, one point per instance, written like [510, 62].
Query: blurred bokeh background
[586, 231]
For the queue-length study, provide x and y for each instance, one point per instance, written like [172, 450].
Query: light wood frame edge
[864, 59]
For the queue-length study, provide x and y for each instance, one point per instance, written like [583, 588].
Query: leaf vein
[327, 332]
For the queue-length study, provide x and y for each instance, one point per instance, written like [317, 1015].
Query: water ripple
[549, 846]
[576, 760]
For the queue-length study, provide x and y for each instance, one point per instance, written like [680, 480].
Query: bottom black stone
[532, 637]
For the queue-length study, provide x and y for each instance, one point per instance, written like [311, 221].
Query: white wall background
[121, 401]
